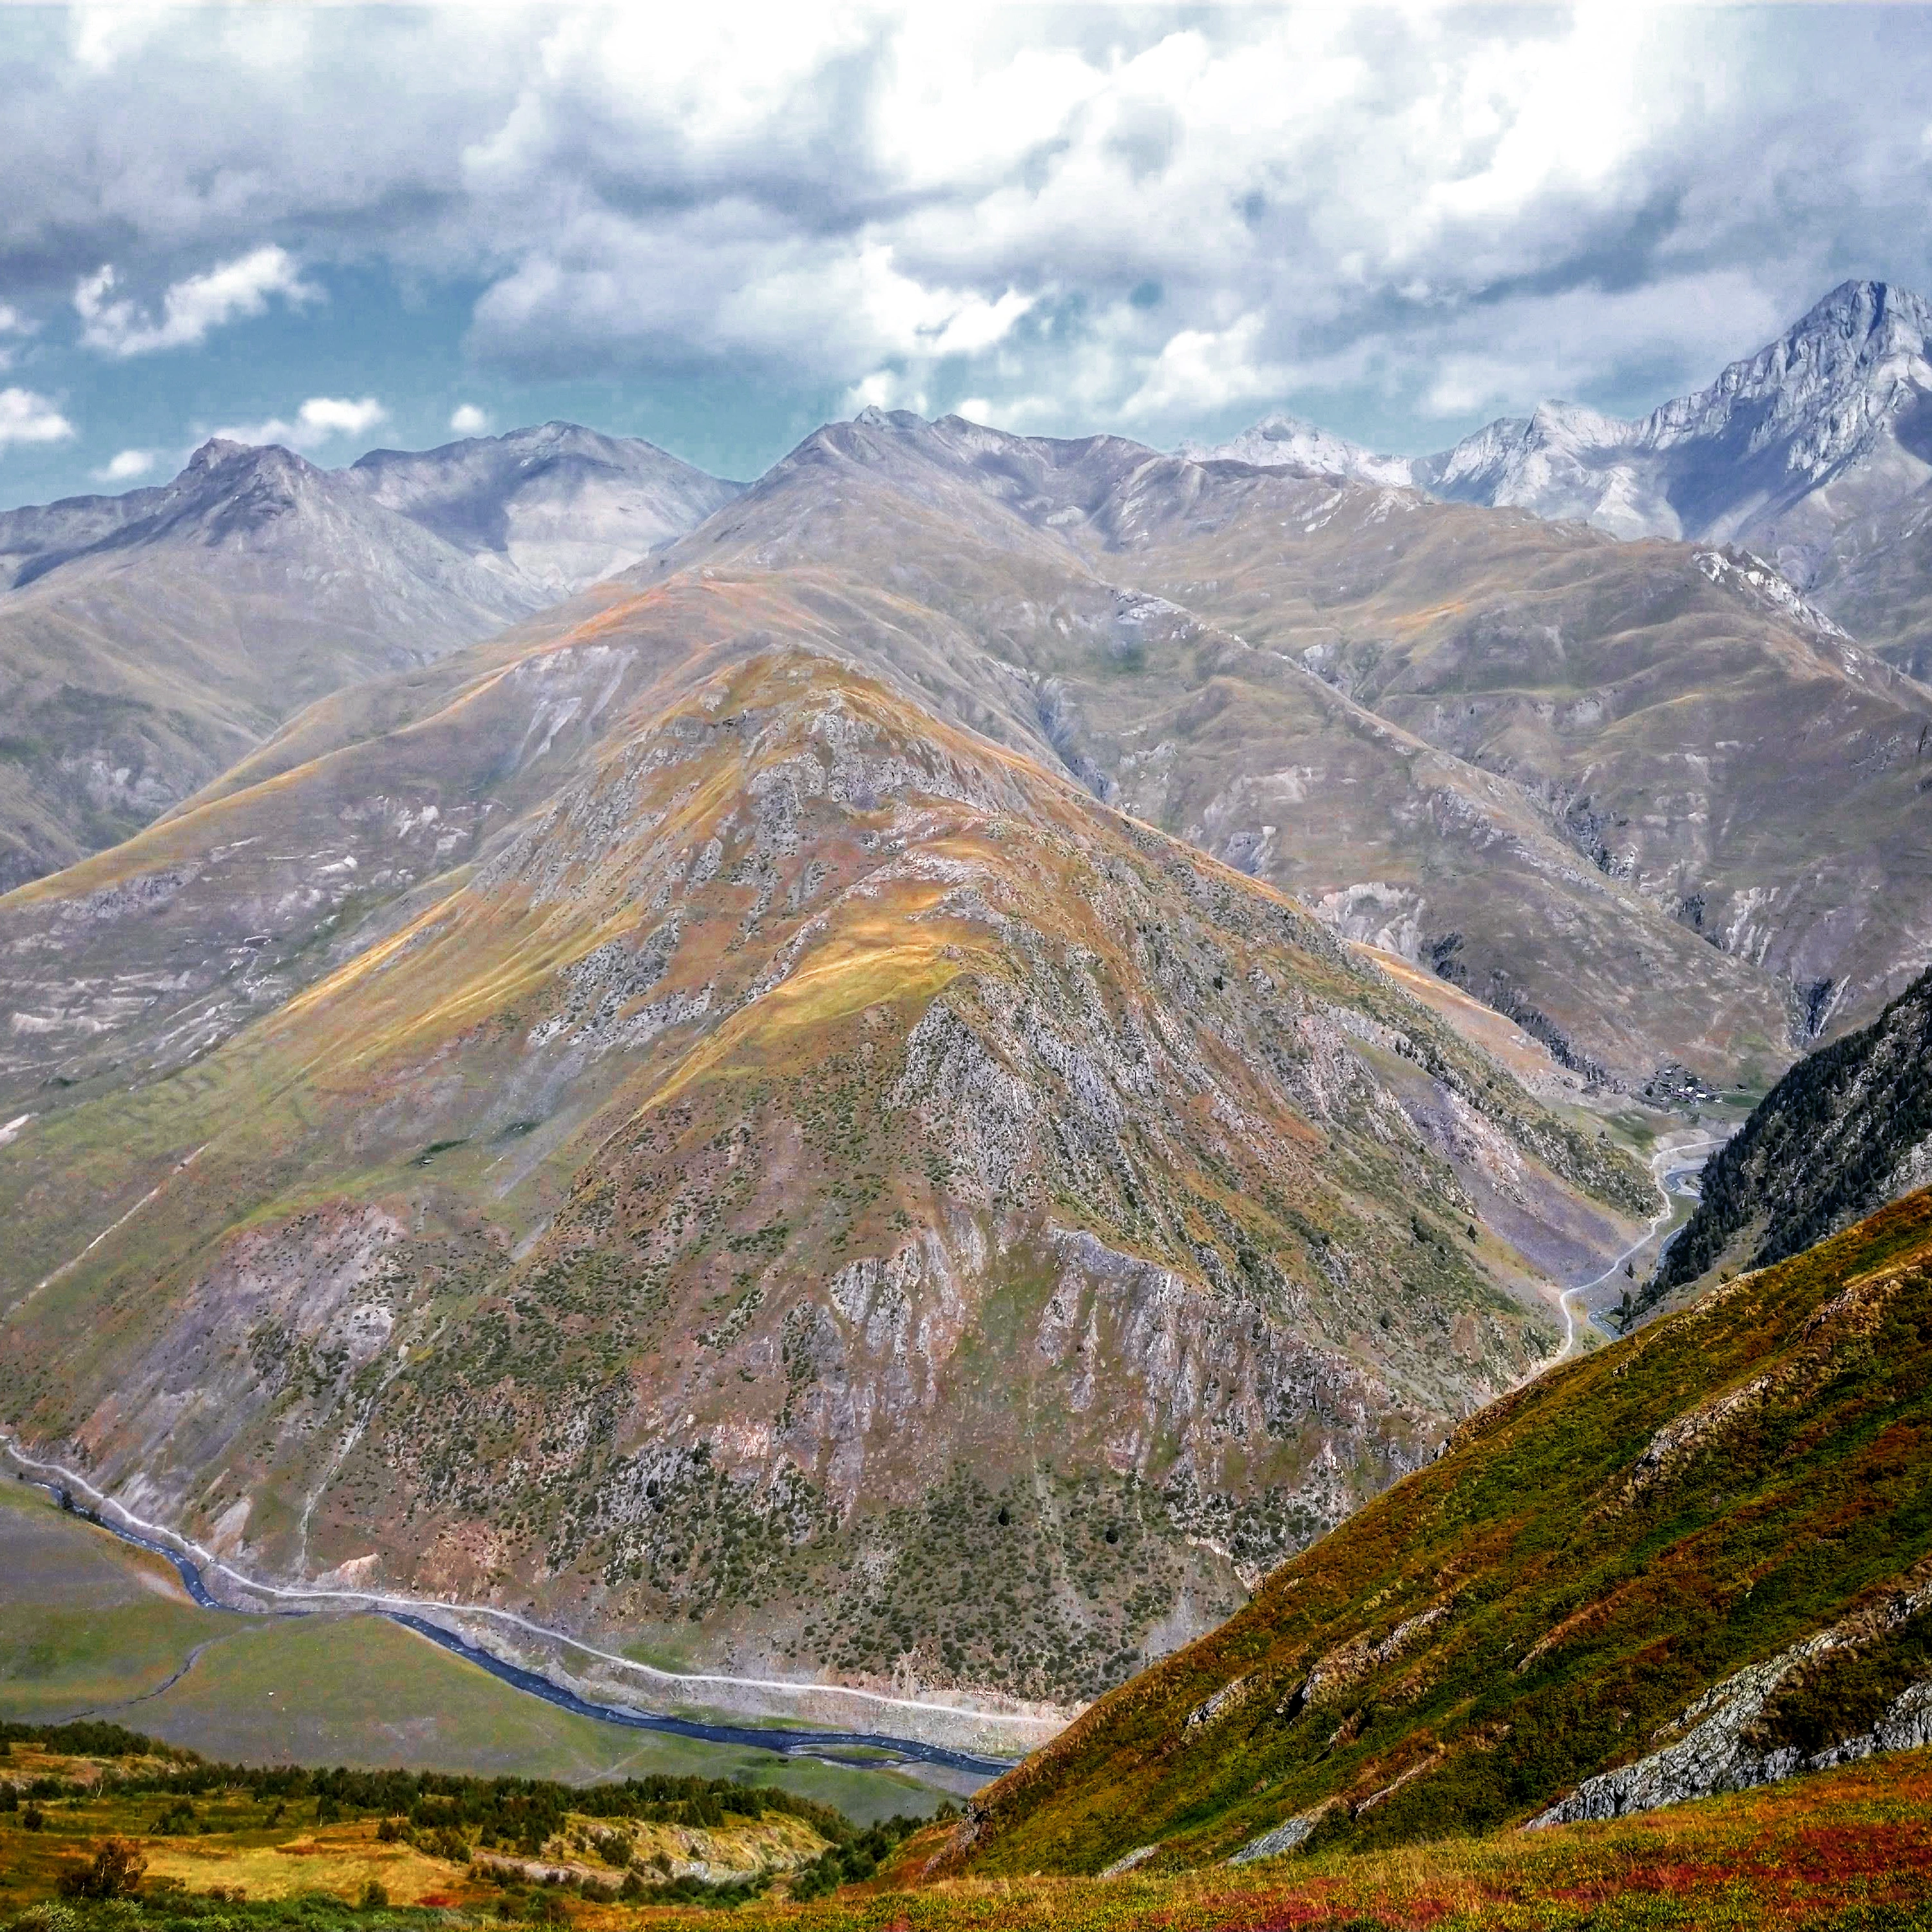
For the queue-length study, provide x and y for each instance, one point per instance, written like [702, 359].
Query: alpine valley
[1020, 1094]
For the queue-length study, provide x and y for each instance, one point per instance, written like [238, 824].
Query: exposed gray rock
[1714, 1751]
[1285, 1836]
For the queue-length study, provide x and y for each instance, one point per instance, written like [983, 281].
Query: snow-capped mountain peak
[1830, 423]
[1824, 392]
[1281, 442]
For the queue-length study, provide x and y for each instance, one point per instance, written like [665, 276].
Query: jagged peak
[873, 417]
[1575, 421]
[1866, 305]
[220, 454]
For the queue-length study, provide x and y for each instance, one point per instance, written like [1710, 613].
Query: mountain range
[1815, 452]
[148, 641]
[915, 1073]
[644, 1119]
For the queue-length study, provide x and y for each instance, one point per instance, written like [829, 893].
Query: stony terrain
[1640, 799]
[1637, 797]
[811, 1188]
[780, 1099]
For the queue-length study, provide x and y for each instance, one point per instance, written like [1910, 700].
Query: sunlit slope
[817, 1191]
[1155, 615]
[373, 801]
[1530, 1623]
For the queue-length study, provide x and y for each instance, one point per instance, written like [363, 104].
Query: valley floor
[90, 1627]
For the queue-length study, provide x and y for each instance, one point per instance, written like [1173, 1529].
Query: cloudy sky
[717, 226]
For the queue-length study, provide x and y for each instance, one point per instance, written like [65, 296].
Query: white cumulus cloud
[1384, 217]
[189, 307]
[466, 419]
[25, 417]
[320, 420]
[125, 465]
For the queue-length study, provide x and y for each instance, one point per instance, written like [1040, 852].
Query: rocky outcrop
[1720, 1744]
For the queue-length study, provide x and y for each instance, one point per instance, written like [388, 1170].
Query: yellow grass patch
[338, 1859]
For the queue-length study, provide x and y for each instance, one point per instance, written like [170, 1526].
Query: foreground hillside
[186, 1834]
[1696, 1560]
[814, 1193]
[1847, 1129]
[1843, 1851]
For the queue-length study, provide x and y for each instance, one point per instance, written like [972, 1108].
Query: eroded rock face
[1720, 1743]
[819, 1181]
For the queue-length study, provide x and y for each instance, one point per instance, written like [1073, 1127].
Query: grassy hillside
[1849, 1128]
[1595, 1553]
[1845, 1851]
[191, 1834]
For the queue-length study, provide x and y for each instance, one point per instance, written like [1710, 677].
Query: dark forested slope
[1847, 1129]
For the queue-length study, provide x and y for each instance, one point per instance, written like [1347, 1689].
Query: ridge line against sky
[333, 228]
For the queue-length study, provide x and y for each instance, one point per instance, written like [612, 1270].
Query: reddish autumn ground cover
[1850, 1850]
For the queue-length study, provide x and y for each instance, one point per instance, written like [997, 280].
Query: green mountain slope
[1847, 1129]
[1698, 1559]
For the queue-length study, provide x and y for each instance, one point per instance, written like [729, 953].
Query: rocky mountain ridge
[793, 1080]
[1506, 749]
[1214, 648]
[1809, 452]
[149, 641]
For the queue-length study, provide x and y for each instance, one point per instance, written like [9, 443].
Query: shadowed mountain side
[817, 1193]
[1847, 1129]
[1700, 1560]
[1877, 581]
[559, 507]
